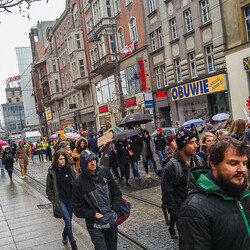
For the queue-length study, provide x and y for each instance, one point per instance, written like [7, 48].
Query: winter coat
[52, 191]
[175, 192]
[97, 193]
[246, 136]
[22, 154]
[105, 158]
[152, 148]
[212, 219]
[136, 147]
[160, 142]
[121, 148]
[92, 143]
[8, 160]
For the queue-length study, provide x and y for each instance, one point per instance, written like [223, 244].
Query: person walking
[216, 213]
[22, 155]
[46, 149]
[65, 147]
[92, 143]
[160, 144]
[97, 198]
[59, 185]
[170, 149]
[1, 158]
[239, 128]
[148, 152]
[8, 161]
[32, 151]
[14, 147]
[176, 173]
[39, 149]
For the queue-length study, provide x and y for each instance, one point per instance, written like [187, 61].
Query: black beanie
[183, 137]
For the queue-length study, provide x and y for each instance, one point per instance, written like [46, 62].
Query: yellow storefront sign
[48, 114]
[197, 88]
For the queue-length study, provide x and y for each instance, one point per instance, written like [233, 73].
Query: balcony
[81, 83]
[46, 99]
[44, 79]
[105, 64]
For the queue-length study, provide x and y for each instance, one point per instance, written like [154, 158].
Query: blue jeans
[160, 153]
[40, 154]
[1, 163]
[135, 169]
[67, 214]
[32, 155]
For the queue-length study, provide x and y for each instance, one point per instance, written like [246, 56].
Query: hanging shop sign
[128, 49]
[161, 93]
[103, 109]
[246, 63]
[142, 74]
[130, 102]
[202, 87]
[14, 78]
[48, 114]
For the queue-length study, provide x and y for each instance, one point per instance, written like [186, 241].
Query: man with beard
[216, 214]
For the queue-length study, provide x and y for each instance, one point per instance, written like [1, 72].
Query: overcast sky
[14, 32]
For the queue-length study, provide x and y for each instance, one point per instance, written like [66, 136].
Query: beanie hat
[63, 144]
[183, 137]
[20, 142]
[145, 131]
[159, 130]
[170, 138]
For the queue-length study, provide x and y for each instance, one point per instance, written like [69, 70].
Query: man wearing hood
[22, 154]
[175, 175]
[97, 198]
[216, 214]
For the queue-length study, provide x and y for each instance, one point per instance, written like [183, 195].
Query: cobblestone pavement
[146, 223]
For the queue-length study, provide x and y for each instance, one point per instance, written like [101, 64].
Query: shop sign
[14, 78]
[162, 93]
[202, 87]
[128, 49]
[246, 63]
[103, 109]
[148, 104]
[130, 102]
[48, 113]
[142, 74]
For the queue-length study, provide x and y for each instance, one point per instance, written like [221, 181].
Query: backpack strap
[178, 170]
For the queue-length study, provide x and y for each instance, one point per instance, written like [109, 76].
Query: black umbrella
[126, 134]
[134, 119]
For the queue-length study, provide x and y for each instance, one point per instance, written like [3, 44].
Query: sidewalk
[25, 223]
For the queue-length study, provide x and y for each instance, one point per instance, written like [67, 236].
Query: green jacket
[52, 191]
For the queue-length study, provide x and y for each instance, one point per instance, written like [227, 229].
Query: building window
[17, 99]
[188, 20]
[158, 78]
[102, 46]
[63, 83]
[54, 65]
[152, 5]
[128, 2]
[178, 69]
[133, 30]
[192, 62]
[78, 41]
[112, 44]
[164, 75]
[160, 38]
[82, 70]
[174, 29]
[153, 43]
[67, 81]
[109, 8]
[121, 38]
[42, 72]
[57, 86]
[205, 11]
[247, 19]
[12, 93]
[117, 6]
[210, 58]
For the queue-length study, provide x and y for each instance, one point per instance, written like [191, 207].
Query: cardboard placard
[104, 139]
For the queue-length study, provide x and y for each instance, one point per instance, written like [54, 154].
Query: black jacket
[173, 194]
[92, 143]
[94, 193]
[8, 160]
[160, 142]
[121, 148]
[211, 219]
[136, 147]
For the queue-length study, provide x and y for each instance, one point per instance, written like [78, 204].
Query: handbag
[123, 212]
[130, 152]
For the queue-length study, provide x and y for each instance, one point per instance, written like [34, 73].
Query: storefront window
[105, 122]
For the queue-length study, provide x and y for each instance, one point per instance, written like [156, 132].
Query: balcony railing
[43, 79]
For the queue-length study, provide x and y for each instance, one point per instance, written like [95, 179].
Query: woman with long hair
[59, 185]
[81, 144]
[239, 126]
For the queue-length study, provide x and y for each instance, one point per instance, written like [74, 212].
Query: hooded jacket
[92, 143]
[212, 219]
[94, 193]
[174, 194]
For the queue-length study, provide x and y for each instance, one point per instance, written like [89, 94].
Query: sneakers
[148, 176]
[172, 233]
[65, 238]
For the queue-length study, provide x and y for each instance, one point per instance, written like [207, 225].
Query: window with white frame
[112, 44]
[205, 11]
[133, 30]
[173, 28]
[82, 70]
[192, 63]
[247, 20]
[158, 78]
[164, 75]
[53, 65]
[178, 69]
[210, 58]
[102, 46]
[57, 86]
[160, 38]
[78, 41]
[108, 4]
[188, 20]
[128, 2]
[121, 38]
[152, 5]
[92, 56]
[67, 81]
[63, 82]
[117, 6]
[152, 40]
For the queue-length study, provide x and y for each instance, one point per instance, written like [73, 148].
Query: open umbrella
[220, 117]
[2, 143]
[54, 136]
[134, 119]
[72, 135]
[115, 129]
[126, 134]
[193, 121]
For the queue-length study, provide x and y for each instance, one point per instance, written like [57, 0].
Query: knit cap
[159, 130]
[170, 138]
[20, 142]
[63, 144]
[183, 137]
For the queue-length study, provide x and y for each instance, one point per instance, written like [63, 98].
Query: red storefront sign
[128, 49]
[103, 109]
[130, 102]
[142, 75]
[14, 78]
[162, 93]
